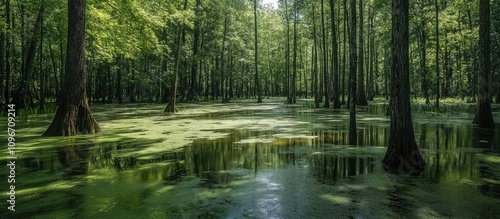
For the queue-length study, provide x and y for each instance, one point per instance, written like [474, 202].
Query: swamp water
[250, 161]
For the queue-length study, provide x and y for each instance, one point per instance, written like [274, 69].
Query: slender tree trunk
[171, 104]
[256, 64]
[2, 62]
[109, 79]
[287, 56]
[315, 61]
[484, 118]
[352, 75]
[335, 59]
[196, 41]
[371, 38]
[386, 73]
[222, 66]
[294, 77]
[344, 51]
[325, 59]
[402, 153]
[361, 96]
[54, 67]
[7, 52]
[28, 59]
[423, 65]
[437, 54]
[41, 102]
[119, 80]
[73, 114]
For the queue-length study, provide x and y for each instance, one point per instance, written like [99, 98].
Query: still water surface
[302, 171]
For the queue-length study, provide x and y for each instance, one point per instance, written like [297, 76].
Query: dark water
[304, 171]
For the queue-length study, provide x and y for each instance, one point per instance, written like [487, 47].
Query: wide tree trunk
[484, 118]
[402, 153]
[73, 114]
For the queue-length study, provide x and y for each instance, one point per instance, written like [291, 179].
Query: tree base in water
[404, 158]
[72, 119]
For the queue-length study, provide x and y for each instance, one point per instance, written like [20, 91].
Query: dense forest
[135, 51]
[320, 83]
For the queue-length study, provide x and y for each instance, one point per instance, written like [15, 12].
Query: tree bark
[484, 118]
[256, 63]
[222, 60]
[196, 41]
[352, 76]
[28, 59]
[335, 59]
[287, 56]
[344, 59]
[170, 108]
[423, 66]
[437, 54]
[315, 61]
[402, 153]
[361, 96]
[41, 102]
[294, 76]
[73, 114]
[119, 95]
[2, 62]
[325, 59]
[7, 52]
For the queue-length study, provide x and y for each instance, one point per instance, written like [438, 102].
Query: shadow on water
[270, 175]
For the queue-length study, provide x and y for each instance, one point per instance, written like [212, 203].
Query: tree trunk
[361, 96]
[344, 59]
[222, 65]
[335, 59]
[371, 51]
[257, 82]
[287, 56]
[119, 79]
[423, 59]
[437, 54]
[402, 153]
[73, 114]
[109, 79]
[54, 67]
[315, 62]
[7, 52]
[294, 76]
[196, 41]
[352, 76]
[41, 102]
[2, 63]
[325, 59]
[484, 118]
[28, 59]
[170, 108]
